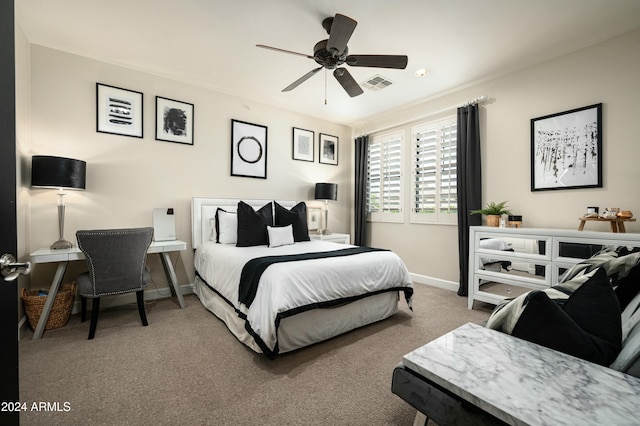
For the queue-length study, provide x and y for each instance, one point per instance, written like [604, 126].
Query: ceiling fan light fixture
[333, 52]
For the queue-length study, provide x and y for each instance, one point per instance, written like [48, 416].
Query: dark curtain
[360, 231]
[469, 185]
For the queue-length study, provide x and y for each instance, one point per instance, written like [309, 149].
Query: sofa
[592, 313]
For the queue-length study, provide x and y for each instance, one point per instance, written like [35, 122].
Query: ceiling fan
[333, 52]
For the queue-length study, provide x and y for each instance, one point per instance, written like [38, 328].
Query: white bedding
[290, 285]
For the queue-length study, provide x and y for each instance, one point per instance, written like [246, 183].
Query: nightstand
[336, 238]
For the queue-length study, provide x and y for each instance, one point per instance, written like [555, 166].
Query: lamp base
[61, 244]
[324, 232]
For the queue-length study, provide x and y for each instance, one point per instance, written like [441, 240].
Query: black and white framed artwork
[314, 218]
[328, 149]
[566, 149]
[303, 144]
[248, 149]
[118, 111]
[174, 121]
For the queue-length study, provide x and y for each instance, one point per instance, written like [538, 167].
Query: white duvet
[290, 285]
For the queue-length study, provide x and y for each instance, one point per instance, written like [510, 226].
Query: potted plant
[493, 211]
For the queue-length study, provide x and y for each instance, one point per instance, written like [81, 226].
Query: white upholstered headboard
[204, 209]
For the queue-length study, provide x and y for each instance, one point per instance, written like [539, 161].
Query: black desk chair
[116, 261]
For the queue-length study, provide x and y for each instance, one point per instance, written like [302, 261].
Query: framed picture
[314, 219]
[303, 141]
[248, 149]
[118, 111]
[328, 149]
[566, 149]
[174, 121]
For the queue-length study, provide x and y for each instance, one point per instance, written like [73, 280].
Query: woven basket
[60, 311]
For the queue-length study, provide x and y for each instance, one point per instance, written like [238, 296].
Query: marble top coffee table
[522, 383]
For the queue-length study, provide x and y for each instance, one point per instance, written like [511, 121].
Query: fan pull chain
[325, 86]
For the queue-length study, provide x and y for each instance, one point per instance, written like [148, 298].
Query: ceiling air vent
[375, 83]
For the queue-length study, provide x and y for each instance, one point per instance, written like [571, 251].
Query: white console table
[551, 260]
[64, 256]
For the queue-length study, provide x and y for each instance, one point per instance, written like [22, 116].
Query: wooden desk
[64, 256]
[617, 223]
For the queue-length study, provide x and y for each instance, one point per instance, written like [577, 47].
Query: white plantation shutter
[448, 172]
[434, 178]
[384, 177]
[374, 160]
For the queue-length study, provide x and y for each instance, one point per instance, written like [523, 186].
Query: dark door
[8, 227]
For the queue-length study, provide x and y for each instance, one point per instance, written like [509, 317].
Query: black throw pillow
[628, 287]
[587, 325]
[252, 225]
[297, 217]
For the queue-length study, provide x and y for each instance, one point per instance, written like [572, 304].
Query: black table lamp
[62, 173]
[326, 192]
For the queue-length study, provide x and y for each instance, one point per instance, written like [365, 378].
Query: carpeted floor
[186, 368]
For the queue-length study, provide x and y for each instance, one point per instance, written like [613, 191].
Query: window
[384, 177]
[433, 164]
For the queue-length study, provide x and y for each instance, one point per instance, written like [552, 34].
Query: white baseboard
[435, 282]
[113, 301]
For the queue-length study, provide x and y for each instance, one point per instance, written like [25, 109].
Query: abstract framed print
[566, 149]
[248, 149]
[328, 149]
[118, 111]
[174, 121]
[303, 145]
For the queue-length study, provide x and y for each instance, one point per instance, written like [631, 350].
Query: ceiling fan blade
[347, 82]
[341, 30]
[378, 61]
[301, 80]
[283, 51]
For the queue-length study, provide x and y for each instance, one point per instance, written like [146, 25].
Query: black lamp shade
[57, 172]
[326, 191]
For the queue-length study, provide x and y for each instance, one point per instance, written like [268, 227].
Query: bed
[303, 292]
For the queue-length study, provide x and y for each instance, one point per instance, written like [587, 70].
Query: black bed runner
[253, 269]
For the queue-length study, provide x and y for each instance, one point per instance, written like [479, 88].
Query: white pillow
[280, 235]
[227, 227]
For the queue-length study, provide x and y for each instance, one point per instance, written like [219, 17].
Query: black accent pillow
[252, 225]
[297, 217]
[588, 325]
[628, 287]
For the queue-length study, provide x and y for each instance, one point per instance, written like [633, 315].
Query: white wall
[607, 73]
[127, 177]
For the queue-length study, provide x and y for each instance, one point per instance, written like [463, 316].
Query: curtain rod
[478, 100]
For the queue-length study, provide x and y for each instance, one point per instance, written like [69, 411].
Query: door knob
[11, 269]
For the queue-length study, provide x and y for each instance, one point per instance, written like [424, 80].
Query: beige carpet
[185, 368]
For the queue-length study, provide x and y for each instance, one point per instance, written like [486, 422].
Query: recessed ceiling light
[422, 72]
